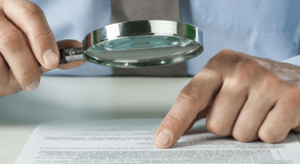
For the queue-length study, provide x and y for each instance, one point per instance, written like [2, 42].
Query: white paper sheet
[131, 141]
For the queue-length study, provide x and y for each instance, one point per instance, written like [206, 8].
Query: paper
[131, 141]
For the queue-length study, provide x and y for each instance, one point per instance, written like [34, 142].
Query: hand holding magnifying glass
[26, 41]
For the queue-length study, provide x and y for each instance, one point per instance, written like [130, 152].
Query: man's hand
[240, 96]
[25, 40]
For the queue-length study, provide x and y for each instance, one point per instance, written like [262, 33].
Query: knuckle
[216, 128]
[28, 77]
[268, 137]
[188, 95]
[225, 53]
[242, 136]
[221, 58]
[270, 81]
[236, 85]
[28, 9]
[247, 68]
[239, 79]
[10, 37]
[173, 121]
[246, 71]
[40, 35]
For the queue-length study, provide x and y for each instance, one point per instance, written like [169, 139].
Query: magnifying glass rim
[143, 27]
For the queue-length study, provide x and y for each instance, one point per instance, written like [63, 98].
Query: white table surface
[77, 98]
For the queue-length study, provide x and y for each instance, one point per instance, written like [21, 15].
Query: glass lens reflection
[140, 51]
[140, 42]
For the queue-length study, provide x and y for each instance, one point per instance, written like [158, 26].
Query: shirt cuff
[293, 60]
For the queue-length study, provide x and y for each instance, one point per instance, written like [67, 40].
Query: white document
[131, 141]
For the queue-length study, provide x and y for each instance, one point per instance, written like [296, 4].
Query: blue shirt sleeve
[293, 60]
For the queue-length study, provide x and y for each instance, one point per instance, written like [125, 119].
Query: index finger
[194, 98]
[30, 19]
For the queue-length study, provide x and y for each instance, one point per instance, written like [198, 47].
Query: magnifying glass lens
[145, 50]
[141, 42]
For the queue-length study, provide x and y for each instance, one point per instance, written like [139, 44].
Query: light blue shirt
[265, 28]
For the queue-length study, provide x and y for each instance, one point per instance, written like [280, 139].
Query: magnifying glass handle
[62, 56]
[70, 54]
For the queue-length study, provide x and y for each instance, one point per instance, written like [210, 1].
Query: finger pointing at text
[241, 96]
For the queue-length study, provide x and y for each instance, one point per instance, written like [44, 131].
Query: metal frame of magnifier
[135, 28]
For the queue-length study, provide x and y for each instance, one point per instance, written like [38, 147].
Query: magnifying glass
[138, 44]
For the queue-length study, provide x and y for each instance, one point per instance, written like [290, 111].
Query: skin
[26, 40]
[242, 96]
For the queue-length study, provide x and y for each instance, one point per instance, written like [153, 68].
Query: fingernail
[32, 86]
[50, 57]
[163, 137]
